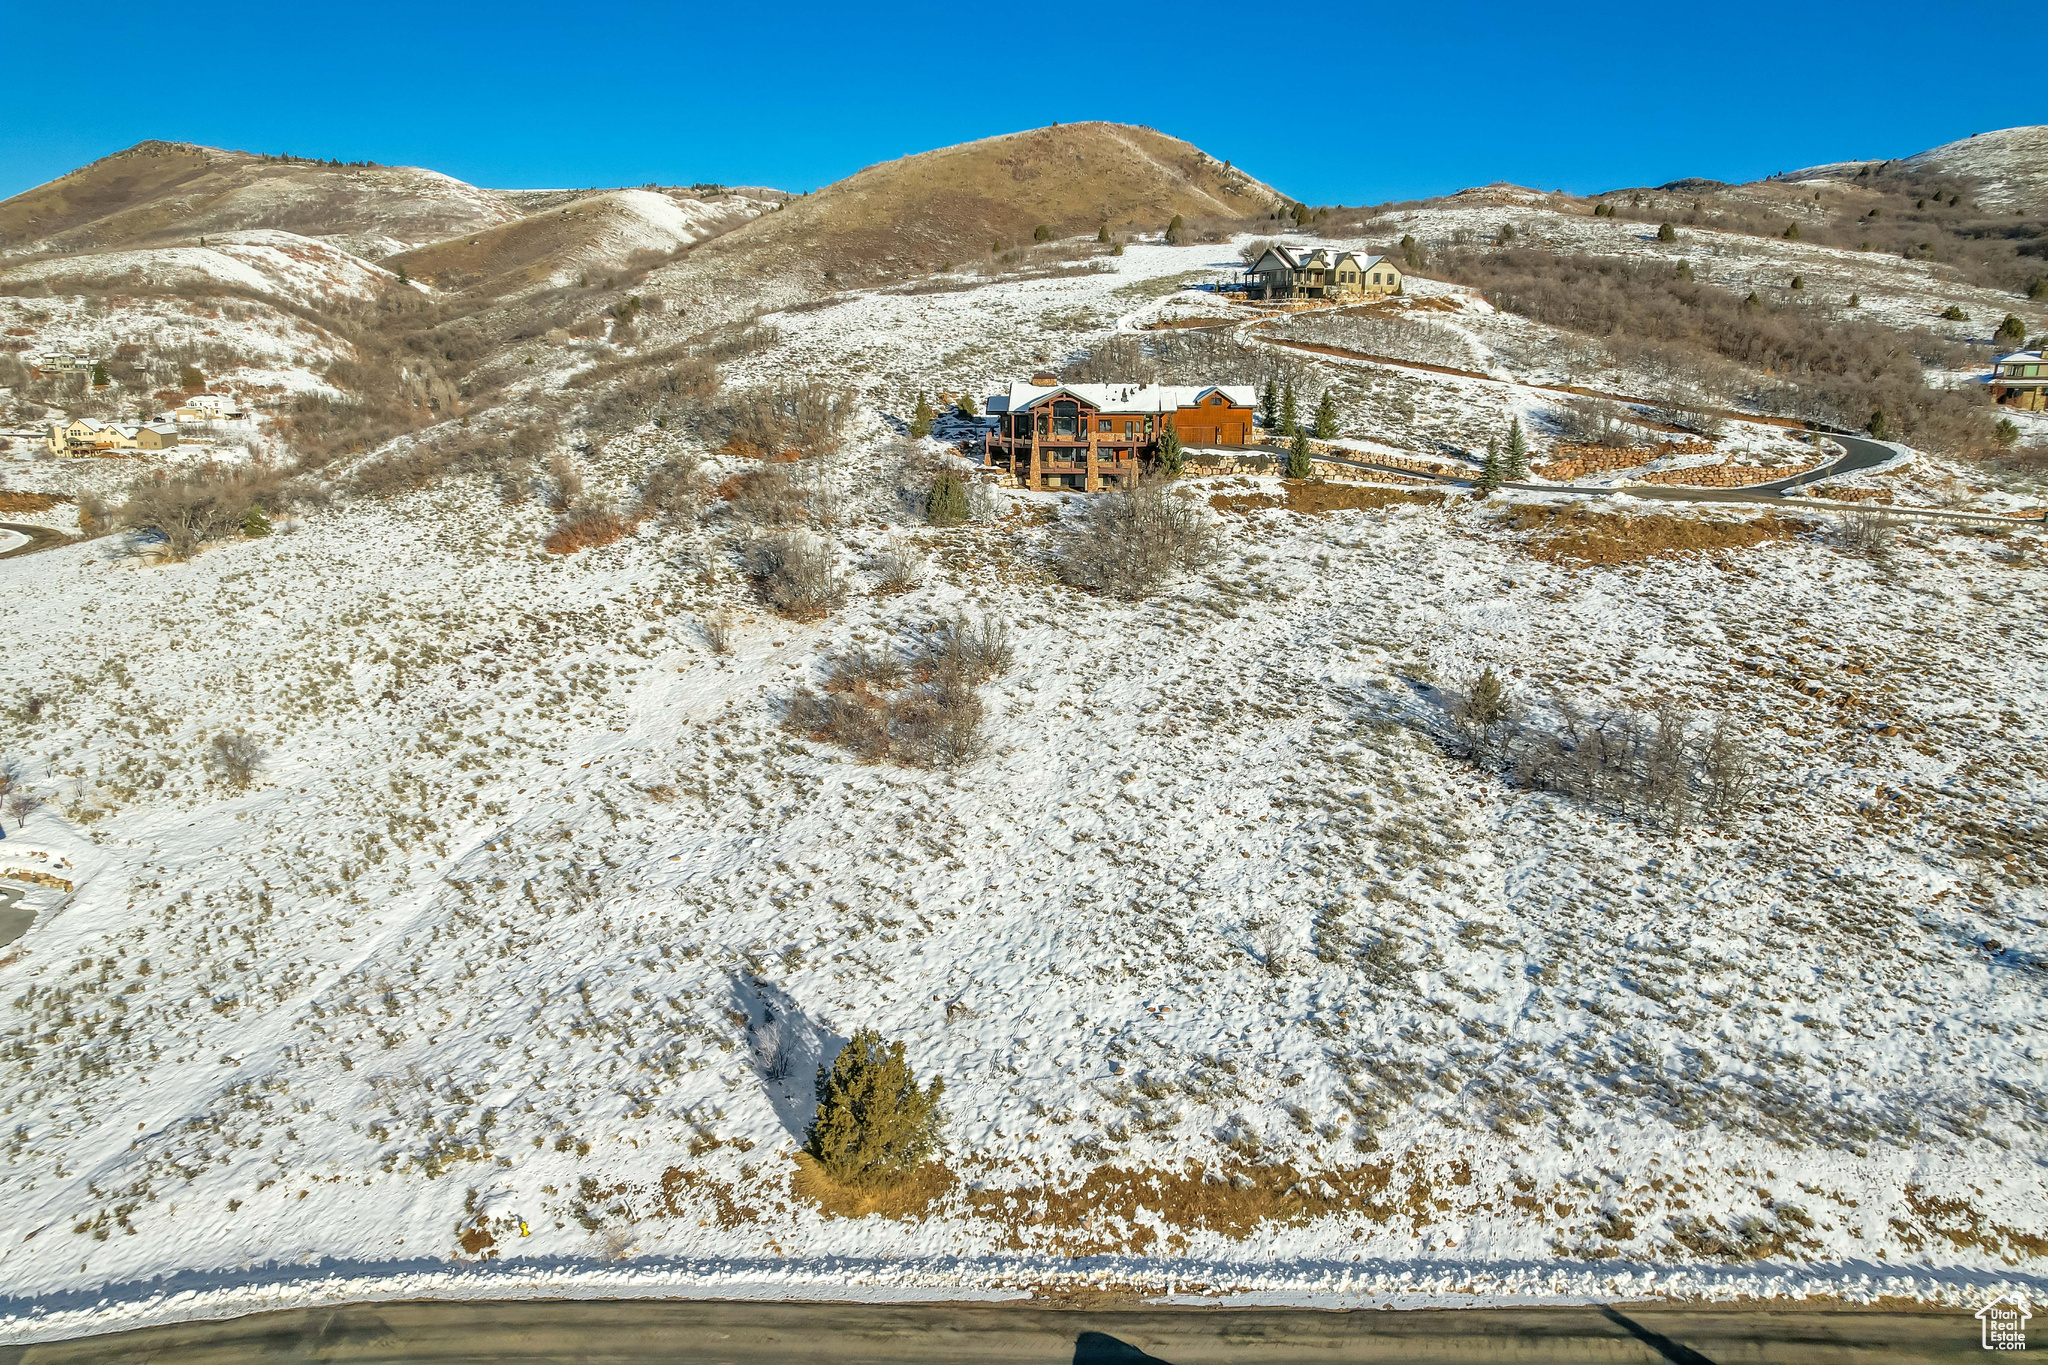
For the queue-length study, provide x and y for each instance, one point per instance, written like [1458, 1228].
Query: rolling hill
[951, 205]
[165, 193]
[591, 234]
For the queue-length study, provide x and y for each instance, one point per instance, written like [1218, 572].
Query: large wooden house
[1282, 273]
[2020, 380]
[1089, 437]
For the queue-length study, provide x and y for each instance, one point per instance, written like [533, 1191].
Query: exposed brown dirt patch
[915, 1197]
[1576, 536]
[1313, 499]
[589, 531]
[21, 504]
[1959, 1224]
[1132, 1209]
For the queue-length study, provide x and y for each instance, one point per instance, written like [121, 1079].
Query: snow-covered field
[1238, 980]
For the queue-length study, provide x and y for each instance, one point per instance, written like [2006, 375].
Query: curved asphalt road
[13, 923]
[1859, 453]
[755, 1333]
[39, 538]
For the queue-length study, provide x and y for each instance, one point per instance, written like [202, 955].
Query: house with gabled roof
[1088, 437]
[2020, 380]
[1282, 272]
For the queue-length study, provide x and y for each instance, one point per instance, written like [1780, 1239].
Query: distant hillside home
[85, 436]
[61, 362]
[1093, 436]
[207, 407]
[2020, 380]
[1281, 273]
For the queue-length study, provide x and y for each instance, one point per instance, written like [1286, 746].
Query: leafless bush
[959, 653]
[22, 803]
[718, 634]
[1694, 417]
[674, 489]
[234, 756]
[1868, 533]
[900, 567]
[175, 513]
[984, 502]
[925, 717]
[568, 479]
[861, 669]
[1398, 338]
[1596, 422]
[1730, 773]
[795, 574]
[1659, 766]
[587, 526]
[1127, 544]
[809, 417]
[766, 496]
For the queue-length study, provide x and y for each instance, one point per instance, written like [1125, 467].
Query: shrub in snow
[795, 574]
[586, 527]
[176, 513]
[234, 756]
[874, 1124]
[923, 716]
[1127, 544]
[946, 503]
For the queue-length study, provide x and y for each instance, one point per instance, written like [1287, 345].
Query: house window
[1375, 277]
[1065, 419]
[1130, 427]
[1103, 424]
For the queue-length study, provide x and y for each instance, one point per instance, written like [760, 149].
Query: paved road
[13, 922]
[702, 1333]
[1859, 453]
[39, 538]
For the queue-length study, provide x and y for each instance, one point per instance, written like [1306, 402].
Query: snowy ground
[534, 911]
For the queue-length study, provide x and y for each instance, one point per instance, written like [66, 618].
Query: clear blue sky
[796, 95]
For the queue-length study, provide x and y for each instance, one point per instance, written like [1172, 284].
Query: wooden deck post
[1094, 474]
[1037, 482]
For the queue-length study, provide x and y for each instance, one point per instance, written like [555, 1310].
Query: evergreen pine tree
[403, 278]
[874, 1124]
[2006, 433]
[1269, 405]
[921, 420]
[1102, 233]
[1666, 233]
[1326, 417]
[965, 407]
[2011, 332]
[1172, 457]
[1489, 469]
[254, 523]
[1855, 300]
[1176, 231]
[99, 375]
[946, 504]
[1290, 412]
[1299, 464]
[1041, 233]
[1516, 464]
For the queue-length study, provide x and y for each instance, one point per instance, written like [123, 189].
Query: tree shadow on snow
[1100, 1348]
[786, 1047]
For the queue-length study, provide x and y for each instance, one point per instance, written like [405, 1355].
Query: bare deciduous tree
[235, 756]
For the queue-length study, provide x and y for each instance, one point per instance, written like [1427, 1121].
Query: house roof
[2034, 356]
[1118, 400]
[1319, 256]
